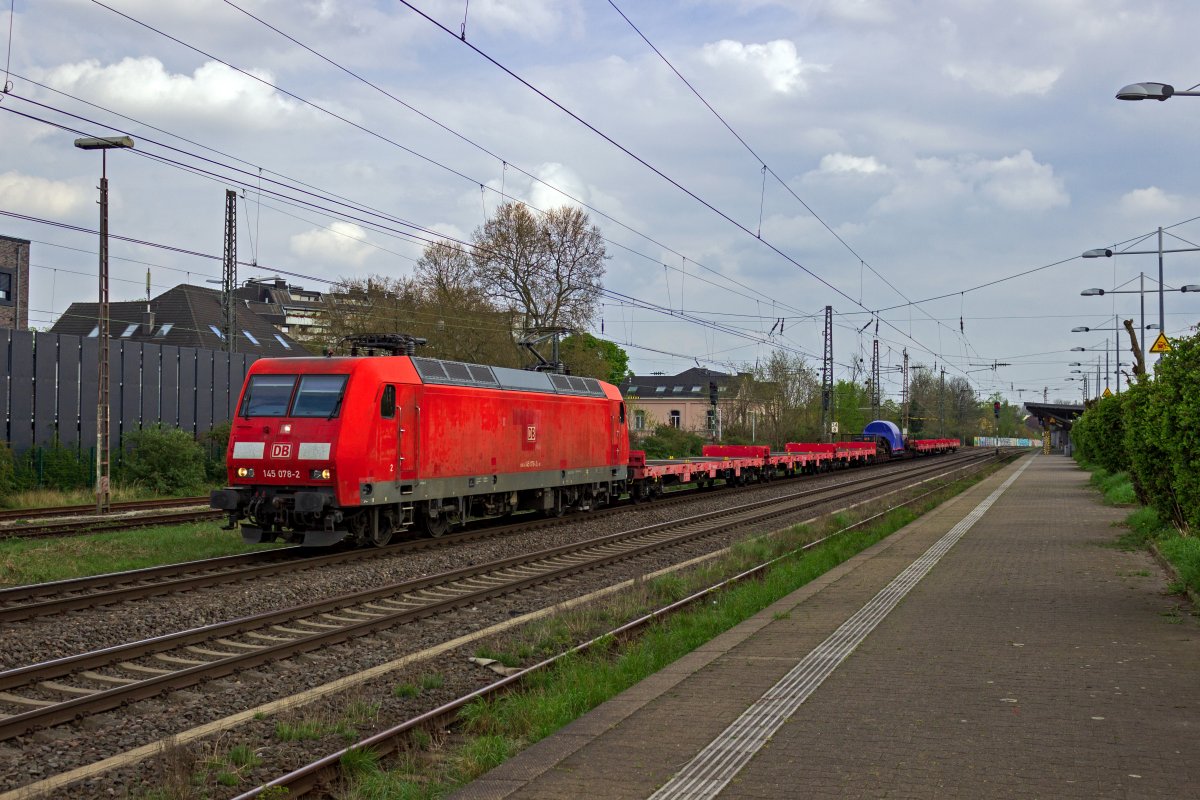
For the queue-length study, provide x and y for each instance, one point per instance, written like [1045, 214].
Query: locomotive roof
[454, 373]
[457, 373]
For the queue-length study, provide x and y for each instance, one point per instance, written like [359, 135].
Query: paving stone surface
[1034, 660]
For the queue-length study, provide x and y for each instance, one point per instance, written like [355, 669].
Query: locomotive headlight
[319, 474]
[245, 472]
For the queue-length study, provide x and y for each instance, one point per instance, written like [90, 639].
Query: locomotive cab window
[387, 403]
[622, 413]
[267, 396]
[319, 396]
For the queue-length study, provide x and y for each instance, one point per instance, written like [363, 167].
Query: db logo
[531, 433]
[281, 450]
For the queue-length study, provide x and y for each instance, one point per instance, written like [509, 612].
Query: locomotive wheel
[382, 538]
[434, 526]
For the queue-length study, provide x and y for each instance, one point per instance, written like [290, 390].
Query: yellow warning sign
[1107, 392]
[1161, 345]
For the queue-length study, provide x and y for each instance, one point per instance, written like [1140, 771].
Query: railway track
[35, 600]
[80, 527]
[326, 770]
[12, 514]
[53, 692]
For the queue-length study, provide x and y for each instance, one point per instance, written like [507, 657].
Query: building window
[679, 388]
[129, 329]
[164, 330]
[659, 389]
[695, 388]
[250, 336]
[279, 339]
[217, 331]
[95, 334]
[5, 286]
[675, 420]
[639, 420]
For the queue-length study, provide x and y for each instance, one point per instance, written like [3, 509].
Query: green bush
[215, 442]
[1177, 424]
[8, 472]
[163, 460]
[66, 468]
[670, 442]
[1153, 431]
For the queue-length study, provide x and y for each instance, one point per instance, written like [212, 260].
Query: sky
[749, 162]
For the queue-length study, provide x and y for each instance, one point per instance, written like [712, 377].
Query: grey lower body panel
[467, 486]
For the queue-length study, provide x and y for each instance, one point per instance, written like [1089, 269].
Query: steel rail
[90, 508]
[308, 777]
[361, 613]
[22, 602]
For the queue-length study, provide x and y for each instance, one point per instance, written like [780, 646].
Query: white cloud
[842, 164]
[871, 11]
[1014, 183]
[40, 197]
[341, 243]
[142, 86]
[1150, 201]
[1019, 183]
[535, 19]
[1005, 80]
[775, 61]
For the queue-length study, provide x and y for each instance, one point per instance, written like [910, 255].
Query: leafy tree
[667, 441]
[852, 406]
[781, 399]
[595, 358]
[547, 270]
[458, 322]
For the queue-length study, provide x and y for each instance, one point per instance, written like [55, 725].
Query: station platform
[999, 646]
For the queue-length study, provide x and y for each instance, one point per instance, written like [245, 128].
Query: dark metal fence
[48, 388]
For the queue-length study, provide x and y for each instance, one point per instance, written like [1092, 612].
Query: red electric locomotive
[326, 449]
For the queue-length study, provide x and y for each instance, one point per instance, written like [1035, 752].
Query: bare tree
[547, 270]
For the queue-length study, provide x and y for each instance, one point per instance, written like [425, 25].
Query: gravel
[44, 753]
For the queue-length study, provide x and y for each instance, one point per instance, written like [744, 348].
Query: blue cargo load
[888, 431]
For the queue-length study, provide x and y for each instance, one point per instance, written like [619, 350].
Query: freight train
[324, 450]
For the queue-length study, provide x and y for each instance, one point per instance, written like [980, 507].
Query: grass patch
[1184, 554]
[495, 728]
[24, 561]
[1115, 486]
[48, 498]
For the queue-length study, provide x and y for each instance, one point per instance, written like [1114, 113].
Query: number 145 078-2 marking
[281, 473]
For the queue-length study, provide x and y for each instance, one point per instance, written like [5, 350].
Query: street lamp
[1191, 287]
[103, 144]
[1085, 329]
[1152, 90]
[1104, 252]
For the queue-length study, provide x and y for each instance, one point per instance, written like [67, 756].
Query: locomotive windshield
[319, 396]
[271, 396]
[268, 396]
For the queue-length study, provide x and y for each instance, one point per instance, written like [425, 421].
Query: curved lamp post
[1152, 90]
[1104, 252]
[1191, 287]
[103, 144]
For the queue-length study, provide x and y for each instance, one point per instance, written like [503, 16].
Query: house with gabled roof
[185, 316]
[682, 401]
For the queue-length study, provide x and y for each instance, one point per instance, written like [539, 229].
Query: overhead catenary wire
[703, 202]
[318, 107]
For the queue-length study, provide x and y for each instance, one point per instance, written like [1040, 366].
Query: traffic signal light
[712, 392]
